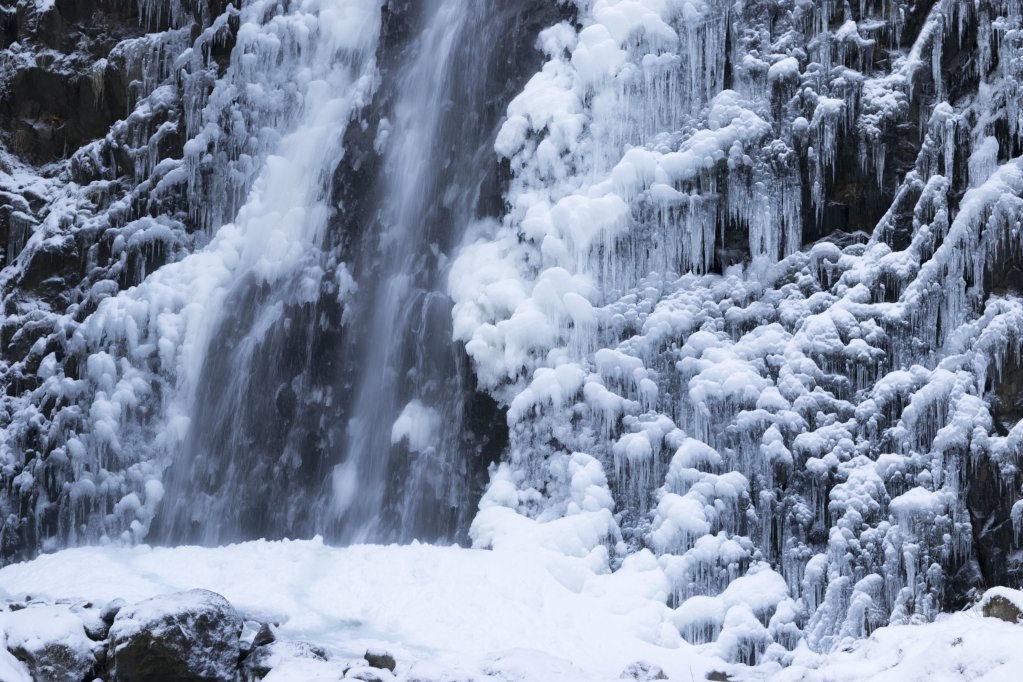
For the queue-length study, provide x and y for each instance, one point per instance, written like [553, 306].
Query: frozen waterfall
[725, 295]
[358, 426]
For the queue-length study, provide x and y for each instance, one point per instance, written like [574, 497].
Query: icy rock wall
[237, 118]
[754, 310]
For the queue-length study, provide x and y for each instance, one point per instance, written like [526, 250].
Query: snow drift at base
[459, 613]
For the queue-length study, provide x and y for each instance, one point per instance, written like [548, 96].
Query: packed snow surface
[445, 607]
[456, 611]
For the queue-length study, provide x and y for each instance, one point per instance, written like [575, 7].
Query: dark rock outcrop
[380, 659]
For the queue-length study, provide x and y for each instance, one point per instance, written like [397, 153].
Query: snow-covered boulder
[191, 635]
[273, 655]
[369, 674]
[50, 641]
[1004, 603]
[641, 670]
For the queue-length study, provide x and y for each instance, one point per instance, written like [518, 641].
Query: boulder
[380, 659]
[264, 636]
[110, 611]
[641, 670]
[185, 637]
[1003, 603]
[51, 641]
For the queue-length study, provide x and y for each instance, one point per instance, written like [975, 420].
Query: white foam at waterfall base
[454, 613]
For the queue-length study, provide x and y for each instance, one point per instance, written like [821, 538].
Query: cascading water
[332, 399]
[424, 194]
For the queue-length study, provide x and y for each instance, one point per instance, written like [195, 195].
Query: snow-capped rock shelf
[714, 306]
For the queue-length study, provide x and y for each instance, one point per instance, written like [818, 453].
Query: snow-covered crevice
[754, 401]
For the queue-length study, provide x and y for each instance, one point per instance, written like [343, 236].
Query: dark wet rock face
[58, 89]
[63, 80]
[191, 636]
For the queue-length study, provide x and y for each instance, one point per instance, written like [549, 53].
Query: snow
[444, 607]
[448, 612]
[963, 646]
[417, 426]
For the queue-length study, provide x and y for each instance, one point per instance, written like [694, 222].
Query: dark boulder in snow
[380, 659]
[110, 611]
[1003, 603]
[718, 676]
[264, 636]
[189, 636]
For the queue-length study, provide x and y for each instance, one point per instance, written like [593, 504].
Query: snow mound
[434, 608]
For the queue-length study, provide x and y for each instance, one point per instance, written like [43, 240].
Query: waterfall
[332, 399]
[424, 195]
[266, 349]
[214, 315]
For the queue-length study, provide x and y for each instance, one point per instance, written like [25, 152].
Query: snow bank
[441, 607]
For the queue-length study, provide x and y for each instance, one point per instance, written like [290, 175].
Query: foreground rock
[193, 636]
[190, 636]
[380, 659]
[641, 670]
[1003, 603]
[51, 641]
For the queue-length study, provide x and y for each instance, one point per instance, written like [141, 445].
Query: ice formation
[790, 423]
